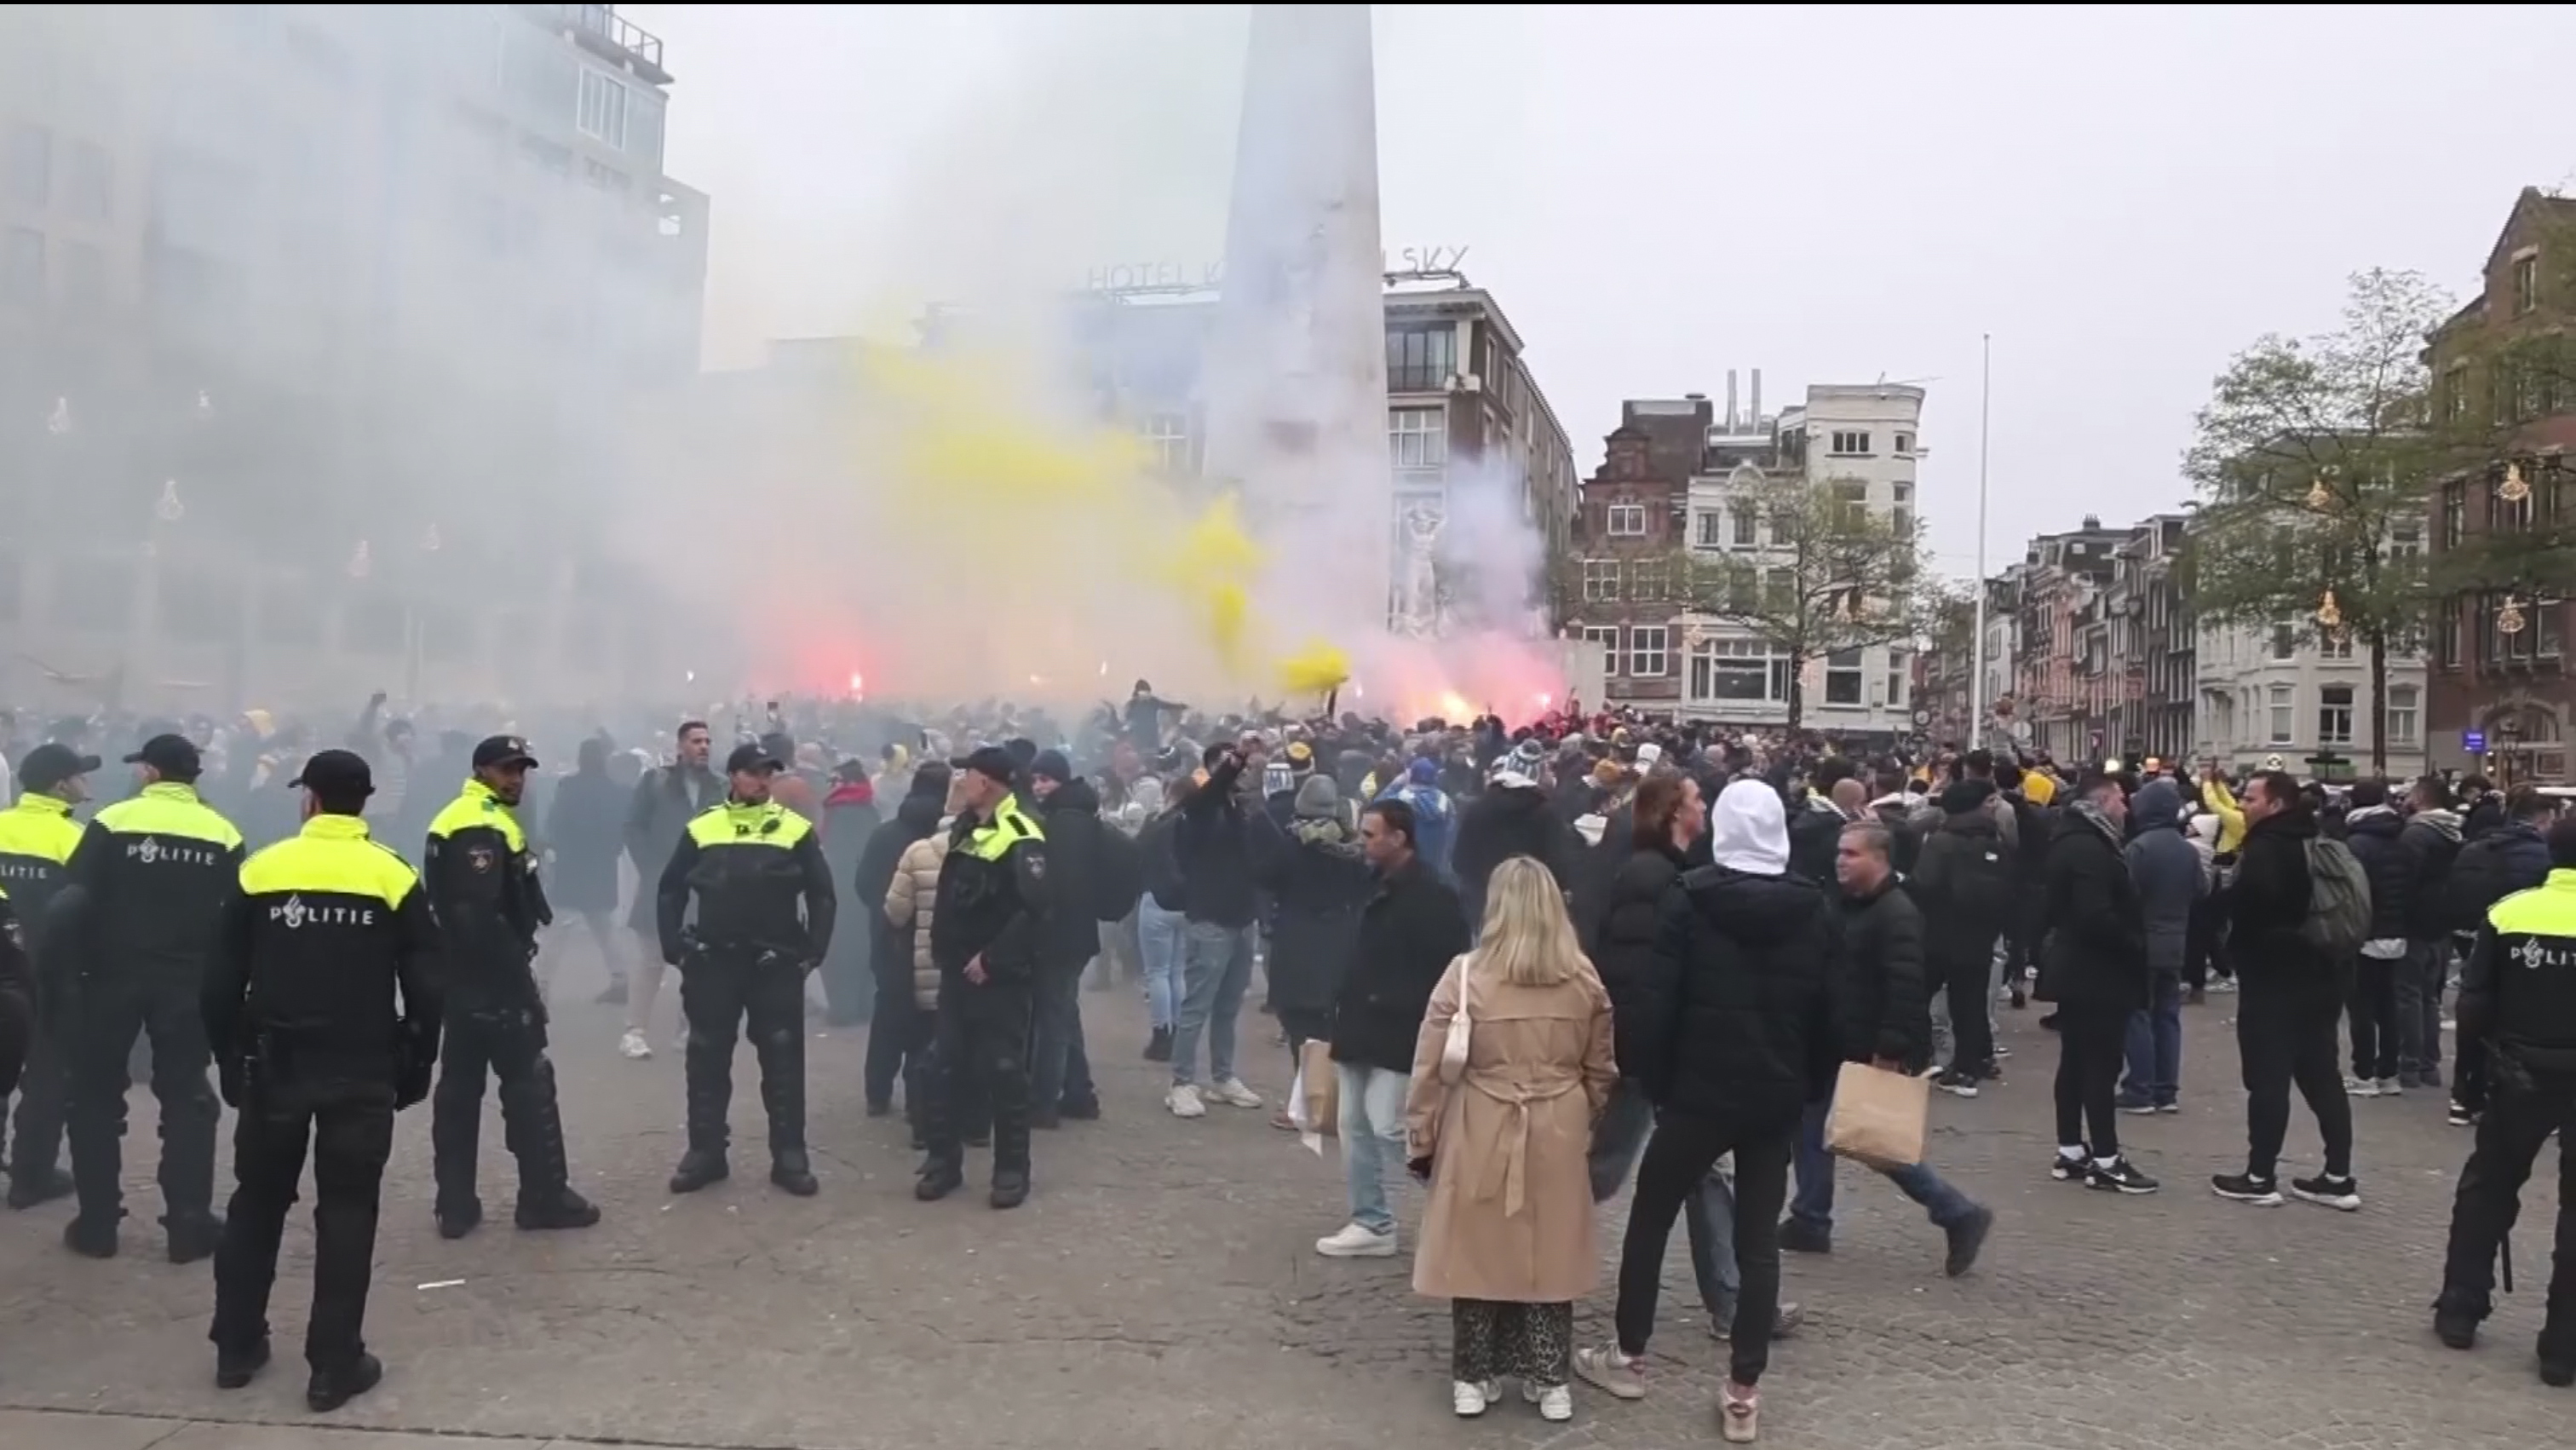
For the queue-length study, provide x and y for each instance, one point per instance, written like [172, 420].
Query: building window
[1842, 677]
[1646, 580]
[30, 180]
[1167, 440]
[1646, 658]
[2285, 642]
[1420, 359]
[2334, 645]
[1739, 671]
[1849, 445]
[1627, 521]
[602, 112]
[2526, 283]
[2404, 703]
[2334, 715]
[1418, 437]
[1904, 445]
[2455, 513]
[1606, 636]
[1748, 526]
[22, 274]
[92, 182]
[1895, 696]
[1600, 580]
[2446, 633]
[1712, 528]
[2283, 718]
[2405, 541]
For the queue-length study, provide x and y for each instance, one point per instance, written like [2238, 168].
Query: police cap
[751, 756]
[338, 773]
[501, 751]
[52, 763]
[174, 756]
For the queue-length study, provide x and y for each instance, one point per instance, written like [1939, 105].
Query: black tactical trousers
[44, 1093]
[104, 1023]
[980, 1056]
[2520, 1116]
[725, 994]
[351, 1129]
[511, 1042]
[898, 1045]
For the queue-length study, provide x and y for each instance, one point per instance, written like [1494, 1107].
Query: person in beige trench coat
[1508, 1236]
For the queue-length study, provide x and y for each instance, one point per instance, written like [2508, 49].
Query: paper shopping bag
[1878, 1116]
[1319, 1090]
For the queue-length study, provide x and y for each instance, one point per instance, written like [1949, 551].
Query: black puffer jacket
[1623, 948]
[1071, 816]
[1317, 881]
[2510, 858]
[1884, 1009]
[2268, 908]
[1504, 822]
[1815, 833]
[1740, 1001]
[914, 820]
[2096, 954]
[2372, 833]
[1410, 930]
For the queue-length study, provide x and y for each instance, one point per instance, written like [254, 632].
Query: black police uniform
[156, 870]
[991, 904]
[17, 999]
[2518, 999]
[744, 963]
[327, 929]
[37, 837]
[483, 889]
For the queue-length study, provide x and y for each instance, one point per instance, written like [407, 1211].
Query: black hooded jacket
[1504, 822]
[2268, 908]
[1623, 947]
[1071, 815]
[914, 820]
[1738, 1001]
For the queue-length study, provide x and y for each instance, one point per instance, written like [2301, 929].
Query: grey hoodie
[2168, 872]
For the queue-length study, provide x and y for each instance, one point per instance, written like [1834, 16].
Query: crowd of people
[1537, 967]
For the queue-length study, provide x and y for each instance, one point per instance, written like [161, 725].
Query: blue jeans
[1372, 1133]
[1158, 945]
[1216, 969]
[2421, 979]
[2155, 1045]
[1059, 1068]
[1813, 1203]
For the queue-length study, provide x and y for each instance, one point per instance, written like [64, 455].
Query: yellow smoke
[955, 451]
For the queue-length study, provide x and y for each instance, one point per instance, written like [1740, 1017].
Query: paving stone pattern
[1160, 1290]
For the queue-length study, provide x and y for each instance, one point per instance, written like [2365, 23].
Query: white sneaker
[1231, 1092]
[1353, 1241]
[1555, 1403]
[1469, 1398]
[1184, 1102]
[635, 1045]
[2390, 1087]
[2360, 1087]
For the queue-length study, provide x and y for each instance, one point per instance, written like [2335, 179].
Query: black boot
[455, 1133]
[1010, 1187]
[91, 1238]
[782, 1092]
[940, 1177]
[558, 1207]
[329, 1389]
[535, 1128]
[789, 1169]
[236, 1368]
[456, 1220]
[30, 1187]
[194, 1235]
[1158, 1048]
[698, 1168]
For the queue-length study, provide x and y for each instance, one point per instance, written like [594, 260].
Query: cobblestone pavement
[1160, 1291]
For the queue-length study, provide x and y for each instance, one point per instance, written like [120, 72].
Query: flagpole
[1985, 431]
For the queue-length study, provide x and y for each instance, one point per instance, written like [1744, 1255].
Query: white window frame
[1709, 528]
[2329, 730]
[1626, 521]
[1748, 526]
[1649, 644]
[1167, 440]
[1711, 656]
[2284, 644]
[1603, 580]
[1848, 443]
[1857, 671]
[2334, 644]
[2282, 709]
[2405, 707]
[1418, 438]
[1606, 636]
[600, 108]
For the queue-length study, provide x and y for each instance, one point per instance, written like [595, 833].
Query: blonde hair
[1527, 940]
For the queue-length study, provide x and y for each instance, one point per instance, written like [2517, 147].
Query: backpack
[2338, 898]
[1120, 878]
[1982, 881]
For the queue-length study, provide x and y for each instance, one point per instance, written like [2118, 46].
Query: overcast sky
[2122, 196]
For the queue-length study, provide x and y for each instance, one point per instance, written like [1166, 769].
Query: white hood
[1747, 830]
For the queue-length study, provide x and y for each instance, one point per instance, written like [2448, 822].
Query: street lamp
[2329, 614]
[2509, 618]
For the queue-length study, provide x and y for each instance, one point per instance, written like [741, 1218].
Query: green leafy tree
[2312, 461]
[1835, 575]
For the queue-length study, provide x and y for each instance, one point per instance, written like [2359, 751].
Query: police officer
[17, 999]
[483, 889]
[986, 937]
[156, 870]
[328, 927]
[37, 836]
[749, 862]
[2517, 1033]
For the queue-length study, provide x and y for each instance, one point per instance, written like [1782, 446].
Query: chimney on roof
[2092, 522]
[1757, 397]
[1730, 400]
